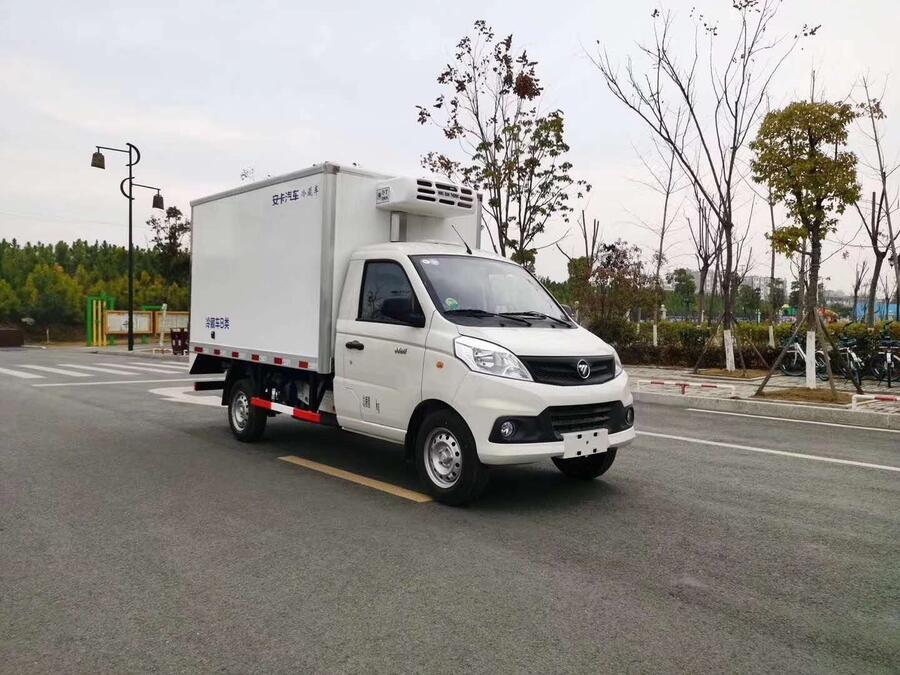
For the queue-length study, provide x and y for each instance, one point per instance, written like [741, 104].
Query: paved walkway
[747, 389]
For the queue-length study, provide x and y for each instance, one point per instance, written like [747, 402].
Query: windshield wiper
[537, 315]
[481, 312]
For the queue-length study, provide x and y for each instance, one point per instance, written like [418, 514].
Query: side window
[383, 280]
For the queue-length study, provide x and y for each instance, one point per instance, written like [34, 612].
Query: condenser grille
[444, 193]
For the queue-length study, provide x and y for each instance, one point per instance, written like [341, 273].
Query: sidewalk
[744, 390]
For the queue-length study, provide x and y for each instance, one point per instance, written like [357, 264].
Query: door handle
[355, 344]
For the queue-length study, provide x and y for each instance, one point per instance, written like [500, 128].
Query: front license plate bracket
[585, 443]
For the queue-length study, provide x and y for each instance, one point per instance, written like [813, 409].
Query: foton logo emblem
[584, 369]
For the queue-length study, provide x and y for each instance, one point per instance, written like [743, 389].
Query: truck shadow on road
[536, 486]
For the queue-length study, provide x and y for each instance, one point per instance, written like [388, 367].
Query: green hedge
[680, 343]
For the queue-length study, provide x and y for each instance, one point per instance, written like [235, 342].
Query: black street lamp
[98, 161]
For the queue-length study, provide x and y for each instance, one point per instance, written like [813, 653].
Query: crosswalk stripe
[97, 369]
[16, 373]
[164, 364]
[56, 371]
[130, 367]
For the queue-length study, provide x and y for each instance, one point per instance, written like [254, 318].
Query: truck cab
[437, 348]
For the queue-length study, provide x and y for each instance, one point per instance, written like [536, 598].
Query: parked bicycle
[794, 362]
[885, 362]
[849, 363]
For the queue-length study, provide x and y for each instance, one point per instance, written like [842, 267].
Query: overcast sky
[206, 89]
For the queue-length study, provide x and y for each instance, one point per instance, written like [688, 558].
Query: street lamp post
[98, 161]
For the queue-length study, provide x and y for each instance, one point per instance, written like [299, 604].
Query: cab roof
[420, 248]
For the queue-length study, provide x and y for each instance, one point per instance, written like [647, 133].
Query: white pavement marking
[198, 378]
[767, 451]
[145, 369]
[183, 395]
[19, 374]
[790, 419]
[164, 364]
[98, 369]
[56, 371]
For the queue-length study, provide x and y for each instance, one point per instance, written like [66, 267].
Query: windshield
[472, 290]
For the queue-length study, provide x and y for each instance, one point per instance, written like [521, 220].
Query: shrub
[618, 332]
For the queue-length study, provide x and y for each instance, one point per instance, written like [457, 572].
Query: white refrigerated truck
[364, 301]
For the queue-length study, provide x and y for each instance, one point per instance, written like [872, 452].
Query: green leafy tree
[684, 288]
[52, 295]
[513, 153]
[9, 301]
[168, 233]
[800, 154]
[748, 301]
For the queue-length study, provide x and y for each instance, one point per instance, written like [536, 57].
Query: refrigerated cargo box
[268, 259]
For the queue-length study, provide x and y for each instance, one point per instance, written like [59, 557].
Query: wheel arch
[421, 411]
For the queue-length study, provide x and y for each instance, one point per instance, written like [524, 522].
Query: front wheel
[447, 459]
[586, 468]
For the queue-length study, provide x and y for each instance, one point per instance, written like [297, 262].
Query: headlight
[619, 368]
[490, 359]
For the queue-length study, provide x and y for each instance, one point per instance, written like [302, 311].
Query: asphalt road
[137, 536]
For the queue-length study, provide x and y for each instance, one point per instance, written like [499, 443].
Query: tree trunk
[772, 312]
[812, 293]
[701, 297]
[728, 297]
[873, 288]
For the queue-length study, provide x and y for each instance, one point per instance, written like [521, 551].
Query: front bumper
[482, 399]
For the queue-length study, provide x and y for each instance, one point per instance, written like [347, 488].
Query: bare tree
[704, 236]
[582, 268]
[720, 127]
[878, 241]
[873, 113]
[666, 179]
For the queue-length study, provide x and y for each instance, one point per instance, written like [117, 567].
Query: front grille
[563, 370]
[568, 418]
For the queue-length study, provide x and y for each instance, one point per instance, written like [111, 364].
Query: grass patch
[820, 395]
[751, 374]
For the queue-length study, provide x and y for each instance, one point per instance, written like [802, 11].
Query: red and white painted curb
[687, 385]
[868, 398]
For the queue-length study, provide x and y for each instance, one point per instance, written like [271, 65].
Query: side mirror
[403, 310]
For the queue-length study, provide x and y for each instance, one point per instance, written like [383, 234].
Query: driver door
[382, 356]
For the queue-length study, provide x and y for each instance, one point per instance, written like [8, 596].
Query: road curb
[783, 410]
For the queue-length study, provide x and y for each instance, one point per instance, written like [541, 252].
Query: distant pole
[98, 161]
[130, 249]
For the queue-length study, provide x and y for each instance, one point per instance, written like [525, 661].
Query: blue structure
[881, 311]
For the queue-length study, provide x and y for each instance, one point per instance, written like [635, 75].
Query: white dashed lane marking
[56, 371]
[20, 374]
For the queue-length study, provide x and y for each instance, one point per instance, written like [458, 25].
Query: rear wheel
[447, 459]
[586, 468]
[247, 422]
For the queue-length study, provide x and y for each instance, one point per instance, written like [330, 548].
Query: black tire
[586, 468]
[855, 376]
[821, 368]
[447, 459]
[247, 422]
